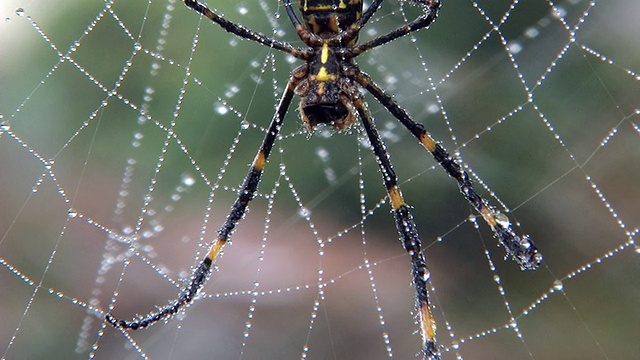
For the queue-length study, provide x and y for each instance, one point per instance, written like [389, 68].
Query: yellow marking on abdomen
[324, 55]
[395, 196]
[324, 75]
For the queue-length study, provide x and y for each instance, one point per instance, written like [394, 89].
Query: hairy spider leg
[239, 208]
[408, 232]
[521, 249]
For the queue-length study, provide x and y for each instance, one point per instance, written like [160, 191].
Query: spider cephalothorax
[328, 84]
[327, 18]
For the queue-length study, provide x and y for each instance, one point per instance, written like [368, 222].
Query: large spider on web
[328, 84]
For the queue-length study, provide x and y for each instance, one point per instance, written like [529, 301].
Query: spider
[328, 85]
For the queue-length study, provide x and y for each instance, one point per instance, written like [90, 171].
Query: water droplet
[221, 109]
[502, 220]
[426, 275]
[4, 126]
[323, 154]
[531, 32]
[72, 213]
[20, 11]
[304, 212]
[188, 180]
[560, 13]
[433, 108]
[558, 285]
[514, 47]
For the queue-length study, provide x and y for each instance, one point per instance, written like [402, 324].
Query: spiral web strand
[126, 129]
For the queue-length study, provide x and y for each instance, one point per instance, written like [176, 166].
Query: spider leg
[521, 249]
[351, 33]
[431, 13]
[239, 208]
[292, 16]
[354, 29]
[244, 32]
[408, 232]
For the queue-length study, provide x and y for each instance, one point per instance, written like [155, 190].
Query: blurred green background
[143, 118]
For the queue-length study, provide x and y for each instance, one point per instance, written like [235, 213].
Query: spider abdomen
[326, 96]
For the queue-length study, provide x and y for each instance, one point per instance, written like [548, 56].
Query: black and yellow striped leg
[239, 208]
[521, 249]
[408, 232]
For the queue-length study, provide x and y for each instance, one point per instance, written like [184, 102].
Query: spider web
[127, 128]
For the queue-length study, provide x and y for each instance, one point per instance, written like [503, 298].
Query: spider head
[327, 18]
